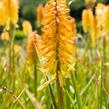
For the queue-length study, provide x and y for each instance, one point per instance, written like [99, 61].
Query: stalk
[97, 91]
[59, 89]
[102, 68]
[35, 79]
[104, 60]
[67, 100]
[52, 96]
[76, 91]
[59, 93]
[101, 85]
[11, 53]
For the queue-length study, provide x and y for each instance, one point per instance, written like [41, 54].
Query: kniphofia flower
[86, 16]
[33, 41]
[10, 10]
[99, 17]
[2, 14]
[105, 19]
[40, 14]
[89, 24]
[58, 49]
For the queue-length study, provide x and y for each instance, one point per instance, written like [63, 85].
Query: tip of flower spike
[99, 8]
[40, 14]
[27, 27]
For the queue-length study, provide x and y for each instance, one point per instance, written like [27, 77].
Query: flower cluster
[96, 25]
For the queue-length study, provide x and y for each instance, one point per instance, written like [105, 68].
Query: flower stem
[76, 91]
[11, 53]
[51, 93]
[60, 94]
[35, 79]
[102, 68]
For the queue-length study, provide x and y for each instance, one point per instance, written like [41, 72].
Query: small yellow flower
[27, 27]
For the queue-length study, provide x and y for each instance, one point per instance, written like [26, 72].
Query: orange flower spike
[40, 13]
[58, 40]
[32, 50]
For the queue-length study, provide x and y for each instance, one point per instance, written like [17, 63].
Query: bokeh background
[28, 9]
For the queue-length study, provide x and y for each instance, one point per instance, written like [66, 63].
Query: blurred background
[29, 12]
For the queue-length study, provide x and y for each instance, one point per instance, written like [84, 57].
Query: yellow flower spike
[86, 16]
[106, 19]
[90, 25]
[5, 36]
[11, 10]
[2, 16]
[99, 15]
[31, 47]
[40, 14]
[27, 27]
[58, 40]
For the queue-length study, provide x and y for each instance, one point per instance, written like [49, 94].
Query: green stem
[70, 98]
[97, 91]
[102, 69]
[104, 60]
[101, 86]
[76, 91]
[35, 80]
[11, 53]
[59, 91]
[51, 93]
[67, 99]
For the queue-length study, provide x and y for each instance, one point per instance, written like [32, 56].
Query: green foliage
[20, 34]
